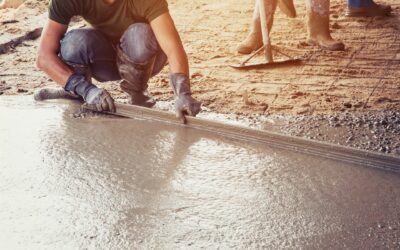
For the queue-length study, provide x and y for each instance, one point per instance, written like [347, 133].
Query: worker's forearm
[55, 68]
[178, 62]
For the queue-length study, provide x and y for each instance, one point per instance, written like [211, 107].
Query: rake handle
[265, 31]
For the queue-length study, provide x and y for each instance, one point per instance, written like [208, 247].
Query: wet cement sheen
[102, 183]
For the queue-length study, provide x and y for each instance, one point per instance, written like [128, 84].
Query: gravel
[374, 131]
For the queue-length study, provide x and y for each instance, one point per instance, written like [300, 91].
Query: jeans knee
[79, 46]
[139, 42]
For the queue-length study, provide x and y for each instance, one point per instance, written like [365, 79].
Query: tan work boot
[253, 40]
[318, 26]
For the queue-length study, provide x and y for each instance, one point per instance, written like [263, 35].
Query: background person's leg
[253, 40]
[89, 53]
[318, 25]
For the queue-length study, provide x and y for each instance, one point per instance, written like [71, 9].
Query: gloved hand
[96, 98]
[99, 100]
[185, 104]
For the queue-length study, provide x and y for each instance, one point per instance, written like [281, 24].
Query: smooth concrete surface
[107, 183]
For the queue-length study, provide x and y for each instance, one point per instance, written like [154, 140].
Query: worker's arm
[170, 42]
[47, 55]
[57, 70]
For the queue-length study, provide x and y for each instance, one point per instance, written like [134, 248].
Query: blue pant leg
[91, 48]
[140, 44]
[359, 3]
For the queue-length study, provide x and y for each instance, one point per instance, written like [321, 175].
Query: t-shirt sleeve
[154, 8]
[61, 11]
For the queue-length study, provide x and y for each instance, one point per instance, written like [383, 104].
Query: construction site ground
[351, 97]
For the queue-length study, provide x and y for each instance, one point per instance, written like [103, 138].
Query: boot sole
[247, 52]
[363, 14]
[338, 47]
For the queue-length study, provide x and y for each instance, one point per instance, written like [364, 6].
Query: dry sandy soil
[362, 79]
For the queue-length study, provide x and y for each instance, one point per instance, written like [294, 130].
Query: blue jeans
[91, 48]
[359, 3]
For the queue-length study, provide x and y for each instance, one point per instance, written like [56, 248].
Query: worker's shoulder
[75, 7]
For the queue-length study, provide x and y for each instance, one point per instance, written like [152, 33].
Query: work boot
[252, 42]
[370, 11]
[135, 96]
[134, 79]
[254, 39]
[318, 26]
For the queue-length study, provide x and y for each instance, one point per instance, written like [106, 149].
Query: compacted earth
[350, 97]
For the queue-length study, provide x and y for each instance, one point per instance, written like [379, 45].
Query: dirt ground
[363, 78]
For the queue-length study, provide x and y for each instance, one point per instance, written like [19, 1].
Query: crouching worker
[127, 40]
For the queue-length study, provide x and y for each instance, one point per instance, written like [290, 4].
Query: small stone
[347, 105]
[334, 118]
[350, 138]
[380, 225]
[336, 26]
[197, 75]
[302, 111]
[358, 104]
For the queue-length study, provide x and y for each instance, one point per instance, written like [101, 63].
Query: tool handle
[265, 31]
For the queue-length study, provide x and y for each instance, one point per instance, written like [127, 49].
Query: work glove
[185, 104]
[95, 98]
[99, 100]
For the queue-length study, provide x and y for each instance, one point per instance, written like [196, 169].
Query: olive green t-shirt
[112, 19]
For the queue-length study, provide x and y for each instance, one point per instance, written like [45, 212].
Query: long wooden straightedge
[297, 144]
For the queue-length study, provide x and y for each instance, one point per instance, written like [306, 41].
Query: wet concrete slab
[108, 183]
